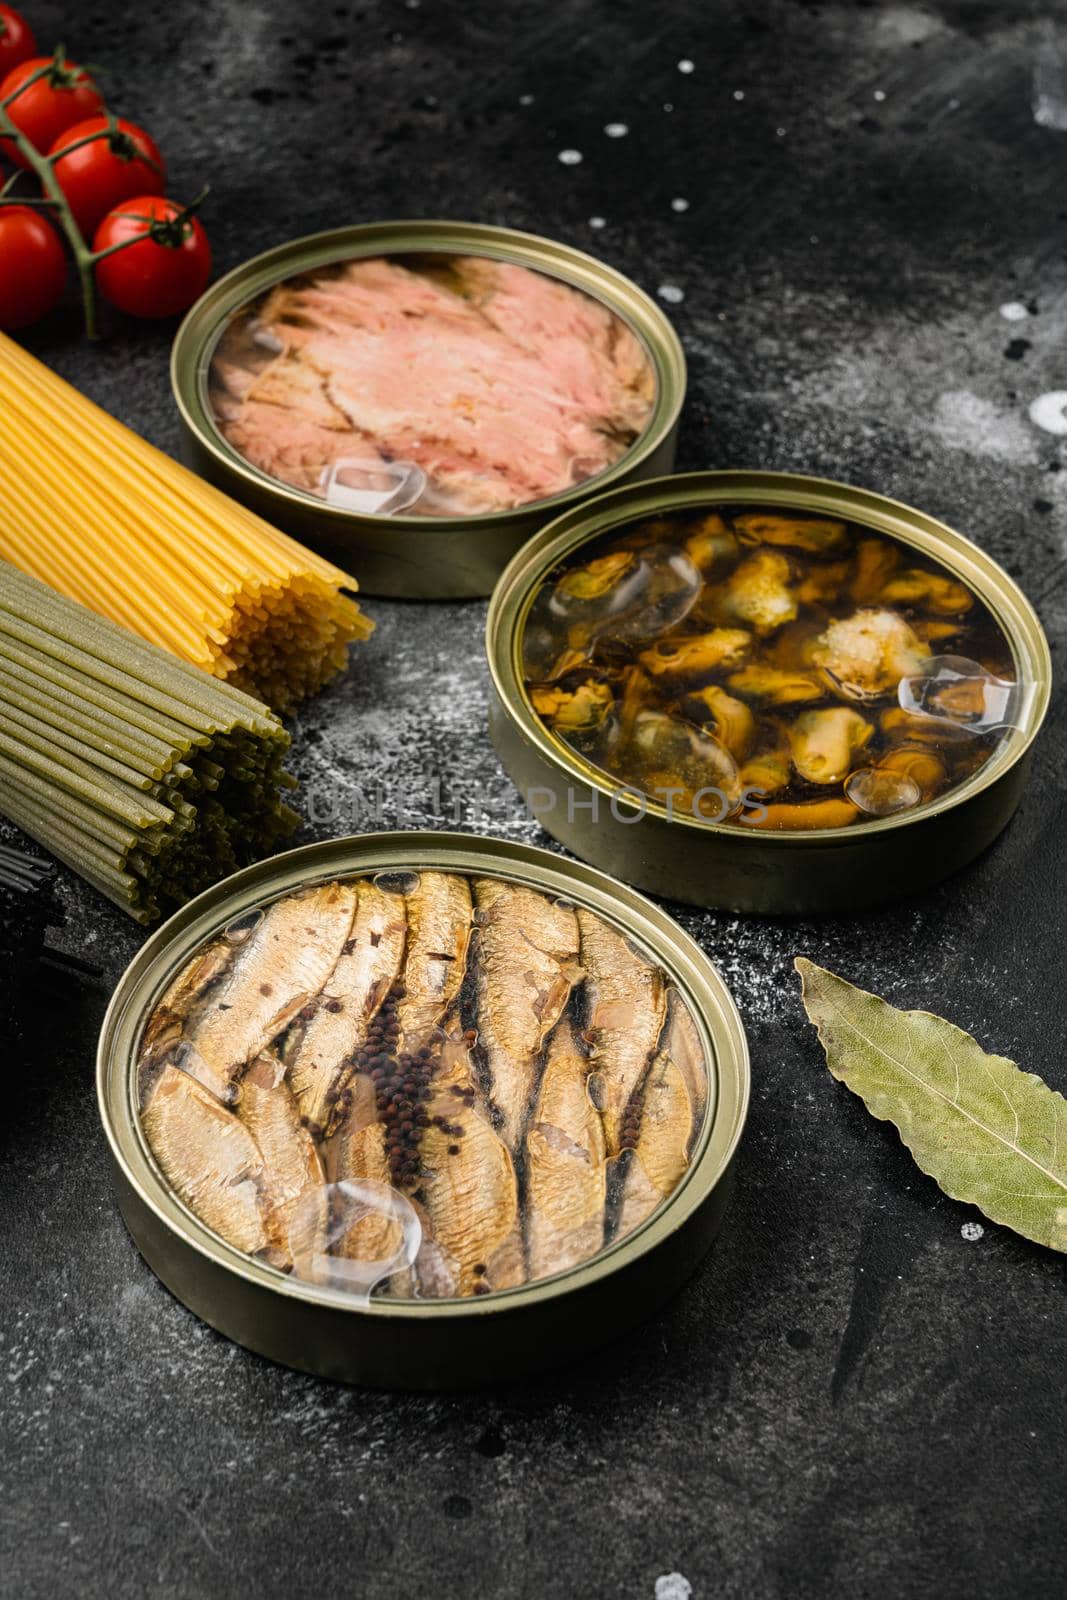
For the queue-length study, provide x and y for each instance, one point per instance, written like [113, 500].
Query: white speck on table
[1049, 411]
[972, 1231]
[672, 1586]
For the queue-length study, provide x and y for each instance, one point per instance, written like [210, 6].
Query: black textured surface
[851, 1398]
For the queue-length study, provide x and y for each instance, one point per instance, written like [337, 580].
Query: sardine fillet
[682, 1044]
[196, 977]
[294, 1182]
[357, 1151]
[657, 1165]
[528, 950]
[472, 1201]
[318, 1061]
[282, 965]
[627, 1004]
[209, 1158]
[566, 1172]
[439, 923]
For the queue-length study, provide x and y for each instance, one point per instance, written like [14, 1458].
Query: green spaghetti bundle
[148, 777]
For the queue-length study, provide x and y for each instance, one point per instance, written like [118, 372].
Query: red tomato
[166, 271]
[16, 39]
[33, 266]
[59, 98]
[99, 176]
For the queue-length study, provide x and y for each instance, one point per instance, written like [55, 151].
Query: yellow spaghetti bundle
[97, 512]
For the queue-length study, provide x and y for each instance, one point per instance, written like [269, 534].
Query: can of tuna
[415, 399]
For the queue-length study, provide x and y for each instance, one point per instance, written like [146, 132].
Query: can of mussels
[765, 692]
[422, 1110]
[415, 399]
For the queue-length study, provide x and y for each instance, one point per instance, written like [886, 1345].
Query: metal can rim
[515, 591]
[714, 1010]
[201, 325]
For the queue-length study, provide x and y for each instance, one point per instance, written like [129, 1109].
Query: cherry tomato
[97, 177]
[33, 266]
[59, 98]
[166, 271]
[16, 39]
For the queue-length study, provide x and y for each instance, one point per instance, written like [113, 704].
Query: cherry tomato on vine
[120, 164]
[162, 274]
[17, 43]
[54, 102]
[33, 266]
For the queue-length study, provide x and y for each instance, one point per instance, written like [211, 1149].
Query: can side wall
[757, 874]
[429, 563]
[477, 1351]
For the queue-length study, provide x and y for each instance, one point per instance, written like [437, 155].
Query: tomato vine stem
[57, 201]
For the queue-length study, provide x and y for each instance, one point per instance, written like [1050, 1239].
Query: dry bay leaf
[985, 1131]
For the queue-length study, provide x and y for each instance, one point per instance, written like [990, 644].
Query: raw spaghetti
[97, 512]
[148, 777]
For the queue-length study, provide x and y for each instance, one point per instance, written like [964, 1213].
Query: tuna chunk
[501, 384]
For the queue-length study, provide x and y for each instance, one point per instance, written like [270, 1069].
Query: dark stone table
[852, 1397]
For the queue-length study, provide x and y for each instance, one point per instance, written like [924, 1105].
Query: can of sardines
[421, 1109]
[765, 692]
[415, 399]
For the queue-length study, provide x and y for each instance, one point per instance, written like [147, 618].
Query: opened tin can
[415, 399]
[765, 692]
[421, 1109]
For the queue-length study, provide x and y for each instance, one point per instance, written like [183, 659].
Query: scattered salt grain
[1049, 411]
[672, 1586]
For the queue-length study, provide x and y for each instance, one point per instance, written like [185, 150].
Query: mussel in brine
[669, 757]
[825, 743]
[695, 656]
[757, 593]
[866, 654]
[631, 594]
